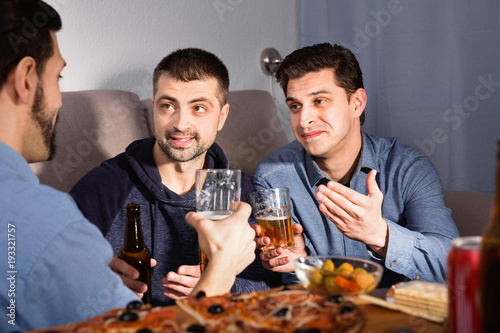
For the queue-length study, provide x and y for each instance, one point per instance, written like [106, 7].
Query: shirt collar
[12, 159]
[367, 160]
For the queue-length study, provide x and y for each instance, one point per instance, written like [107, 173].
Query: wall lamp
[270, 60]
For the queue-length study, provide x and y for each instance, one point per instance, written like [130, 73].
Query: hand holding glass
[216, 192]
[272, 210]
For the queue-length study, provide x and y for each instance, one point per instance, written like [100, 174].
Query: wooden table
[377, 319]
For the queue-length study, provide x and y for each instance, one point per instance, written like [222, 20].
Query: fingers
[129, 275]
[173, 278]
[243, 209]
[176, 292]
[135, 285]
[189, 270]
[178, 285]
[276, 264]
[271, 254]
[297, 229]
[122, 268]
[262, 241]
[153, 262]
[257, 229]
[372, 186]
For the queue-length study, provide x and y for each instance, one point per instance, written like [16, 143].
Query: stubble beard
[182, 154]
[39, 116]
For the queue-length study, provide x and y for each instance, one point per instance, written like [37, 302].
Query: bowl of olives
[338, 275]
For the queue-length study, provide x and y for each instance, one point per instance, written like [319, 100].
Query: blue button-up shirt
[420, 226]
[54, 263]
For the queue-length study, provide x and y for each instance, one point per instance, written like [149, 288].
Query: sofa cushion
[92, 126]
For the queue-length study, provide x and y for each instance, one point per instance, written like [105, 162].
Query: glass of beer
[217, 190]
[272, 210]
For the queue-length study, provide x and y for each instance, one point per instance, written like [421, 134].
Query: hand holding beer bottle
[134, 251]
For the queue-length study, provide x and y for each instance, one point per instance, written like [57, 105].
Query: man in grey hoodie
[190, 87]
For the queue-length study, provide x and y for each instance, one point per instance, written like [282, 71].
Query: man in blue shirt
[56, 261]
[353, 194]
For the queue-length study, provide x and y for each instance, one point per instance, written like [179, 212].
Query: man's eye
[294, 107]
[60, 76]
[199, 108]
[319, 101]
[167, 106]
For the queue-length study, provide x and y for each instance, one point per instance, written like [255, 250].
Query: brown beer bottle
[490, 266]
[134, 251]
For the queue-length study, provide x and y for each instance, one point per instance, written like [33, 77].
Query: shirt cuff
[399, 251]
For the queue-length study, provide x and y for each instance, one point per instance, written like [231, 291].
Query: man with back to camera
[354, 194]
[190, 87]
[59, 262]
[55, 262]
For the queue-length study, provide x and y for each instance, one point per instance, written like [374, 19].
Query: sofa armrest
[471, 211]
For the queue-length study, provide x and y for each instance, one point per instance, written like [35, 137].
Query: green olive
[330, 286]
[316, 279]
[328, 266]
[359, 270]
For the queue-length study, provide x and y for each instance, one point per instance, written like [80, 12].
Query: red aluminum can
[463, 285]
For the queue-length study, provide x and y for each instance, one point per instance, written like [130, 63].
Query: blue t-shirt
[54, 262]
[420, 226]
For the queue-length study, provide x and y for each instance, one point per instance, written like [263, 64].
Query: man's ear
[358, 102]
[223, 116]
[25, 80]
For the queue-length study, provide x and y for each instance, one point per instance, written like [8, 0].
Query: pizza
[217, 313]
[276, 311]
[282, 311]
[135, 318]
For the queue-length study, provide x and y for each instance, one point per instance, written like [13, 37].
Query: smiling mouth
[181, 141]
[311, 135]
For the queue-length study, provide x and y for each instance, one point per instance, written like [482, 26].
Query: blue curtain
[432, 74]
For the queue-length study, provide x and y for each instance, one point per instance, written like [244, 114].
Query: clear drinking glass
[272, 210]
[216, 192]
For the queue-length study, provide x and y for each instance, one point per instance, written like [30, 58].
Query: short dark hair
[25, 27]
[314, 58]
[193, 64]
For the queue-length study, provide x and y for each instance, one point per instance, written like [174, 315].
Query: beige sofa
[98, 124]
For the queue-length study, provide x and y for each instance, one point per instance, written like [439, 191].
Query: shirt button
[417, 277]
[393, 264]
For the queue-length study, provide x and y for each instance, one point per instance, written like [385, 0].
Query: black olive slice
[128, 316]
[346, 309]
[144, 330]
[134, 305]
[281, 312]
[335, 299]
[195, 328]
[215, 309]
[311, 330]
[200, 294]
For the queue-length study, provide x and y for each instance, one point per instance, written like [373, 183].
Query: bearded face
[181, 153]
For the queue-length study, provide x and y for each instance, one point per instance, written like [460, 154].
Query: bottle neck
[133, 235]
